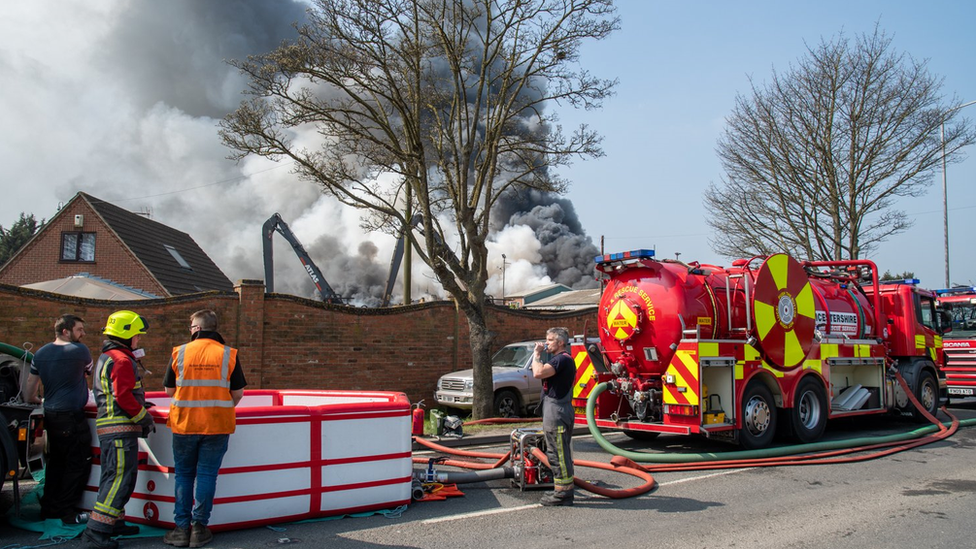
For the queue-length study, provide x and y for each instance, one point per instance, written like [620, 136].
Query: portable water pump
[530, 474]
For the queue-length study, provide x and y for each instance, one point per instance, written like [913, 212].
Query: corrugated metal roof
[573, 299]
[92, 287]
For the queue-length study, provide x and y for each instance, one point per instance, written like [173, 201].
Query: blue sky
[680, 66]
[121, 99]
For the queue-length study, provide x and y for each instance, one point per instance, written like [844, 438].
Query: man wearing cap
[122, 420]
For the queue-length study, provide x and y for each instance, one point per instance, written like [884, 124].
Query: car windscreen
[513, 356]
[517, 356]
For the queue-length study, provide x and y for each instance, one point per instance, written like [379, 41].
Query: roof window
[176, 255]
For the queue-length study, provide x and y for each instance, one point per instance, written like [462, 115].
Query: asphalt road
[918, 498]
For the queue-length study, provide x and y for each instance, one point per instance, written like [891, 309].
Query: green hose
[16, 352]
[644, 457]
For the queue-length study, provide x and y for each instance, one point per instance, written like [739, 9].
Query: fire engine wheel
[809, 412]
[927, 393]
[507, 404]
[758, 416]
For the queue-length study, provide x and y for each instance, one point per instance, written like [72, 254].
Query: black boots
[99, 540]
[557, 498]
[124, 529]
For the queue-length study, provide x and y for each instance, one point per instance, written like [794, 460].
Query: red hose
[623, 465]
[502, 420]
[617, 464]
[822, 458]
[827, 457]
[464, 453]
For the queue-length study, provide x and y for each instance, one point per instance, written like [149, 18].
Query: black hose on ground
[466, 477]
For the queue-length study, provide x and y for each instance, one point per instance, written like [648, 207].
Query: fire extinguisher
[417, 429]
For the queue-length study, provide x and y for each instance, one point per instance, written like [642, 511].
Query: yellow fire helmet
[125, 324]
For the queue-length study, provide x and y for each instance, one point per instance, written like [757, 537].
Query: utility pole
[407, 249]
[945, 197]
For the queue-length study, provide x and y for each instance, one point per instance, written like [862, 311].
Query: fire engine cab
[769, 344]
[959, 346]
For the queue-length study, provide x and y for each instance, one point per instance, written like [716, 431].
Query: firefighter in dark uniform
[122, 420]
[558, 376]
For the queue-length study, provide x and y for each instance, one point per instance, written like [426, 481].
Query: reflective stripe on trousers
[120, 464]
[557, 424]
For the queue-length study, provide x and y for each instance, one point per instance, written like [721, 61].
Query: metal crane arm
[276, 224]
[398, 256]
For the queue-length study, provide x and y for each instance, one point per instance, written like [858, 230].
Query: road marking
[523, 507]
[480, 514]
[710, 475]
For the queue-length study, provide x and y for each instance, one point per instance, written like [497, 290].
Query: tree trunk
[481, 339]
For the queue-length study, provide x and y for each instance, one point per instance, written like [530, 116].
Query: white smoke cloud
[523, 270]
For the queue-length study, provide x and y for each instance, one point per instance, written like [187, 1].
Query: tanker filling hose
[761, 457]
[17, 352]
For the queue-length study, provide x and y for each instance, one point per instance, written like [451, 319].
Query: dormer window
[78, 246]
[179, 258]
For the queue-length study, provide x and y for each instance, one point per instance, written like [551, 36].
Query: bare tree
[815, 159]
[450, 96]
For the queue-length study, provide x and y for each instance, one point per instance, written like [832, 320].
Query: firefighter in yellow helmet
[122, 420]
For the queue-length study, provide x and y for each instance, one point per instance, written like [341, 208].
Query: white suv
[515, 389]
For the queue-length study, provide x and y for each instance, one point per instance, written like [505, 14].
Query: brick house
[93, 238]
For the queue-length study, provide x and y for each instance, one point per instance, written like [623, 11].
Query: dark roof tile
[149, 239]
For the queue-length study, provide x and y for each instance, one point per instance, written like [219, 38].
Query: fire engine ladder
[728, 303]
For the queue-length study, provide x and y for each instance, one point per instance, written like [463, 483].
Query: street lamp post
[945, 197]
[504, 263]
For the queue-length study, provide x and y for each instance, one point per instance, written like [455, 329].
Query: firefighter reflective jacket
[202, 403]
[118, 391]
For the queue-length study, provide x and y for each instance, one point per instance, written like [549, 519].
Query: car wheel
[507, 404]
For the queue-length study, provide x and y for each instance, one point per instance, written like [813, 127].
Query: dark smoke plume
[567, 252]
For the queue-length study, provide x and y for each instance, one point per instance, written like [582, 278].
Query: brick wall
[40, 259]
[287, 342]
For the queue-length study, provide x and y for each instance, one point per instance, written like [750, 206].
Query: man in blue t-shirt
[558, 376]
[61, 367]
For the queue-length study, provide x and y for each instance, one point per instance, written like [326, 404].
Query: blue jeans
[197, 457]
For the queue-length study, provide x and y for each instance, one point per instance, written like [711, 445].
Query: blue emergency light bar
[633, 254]
[957, 290]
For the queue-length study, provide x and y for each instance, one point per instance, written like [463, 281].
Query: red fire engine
[767, 344]
[959, 345]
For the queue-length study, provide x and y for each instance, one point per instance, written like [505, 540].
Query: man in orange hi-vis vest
[205, 382]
